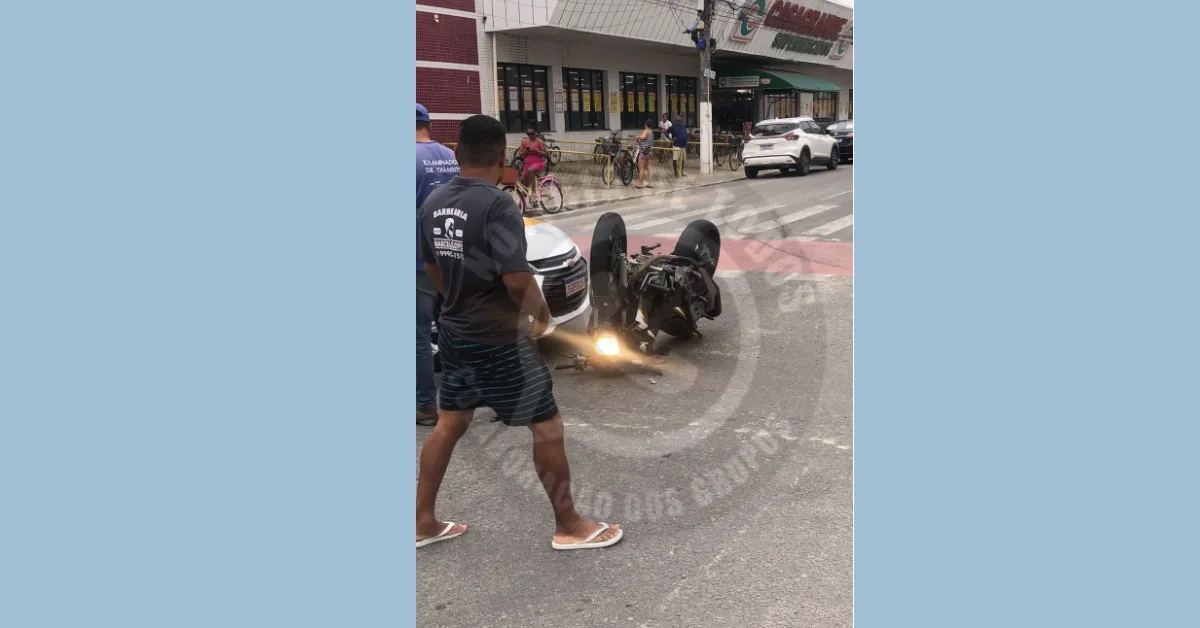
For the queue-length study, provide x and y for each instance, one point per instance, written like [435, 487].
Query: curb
[656, 192]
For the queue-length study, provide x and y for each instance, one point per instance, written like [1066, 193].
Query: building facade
[582, 68]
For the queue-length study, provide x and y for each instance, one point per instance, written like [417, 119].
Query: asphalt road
[731, 473]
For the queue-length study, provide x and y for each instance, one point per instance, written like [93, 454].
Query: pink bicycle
[548, 195]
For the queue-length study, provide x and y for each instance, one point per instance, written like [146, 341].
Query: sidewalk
[591, 196]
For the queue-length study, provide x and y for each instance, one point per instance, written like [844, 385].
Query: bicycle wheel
[553, 200]
[719, 157]
[517, 195]
[607, 172]
[628, 170]
[598, 153]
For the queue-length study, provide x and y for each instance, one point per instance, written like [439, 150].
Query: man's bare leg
[550, 461]
[435, 457]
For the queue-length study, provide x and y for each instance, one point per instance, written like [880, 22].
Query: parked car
[843, 132]
[560, 270]
[824, 122]
[788, 145]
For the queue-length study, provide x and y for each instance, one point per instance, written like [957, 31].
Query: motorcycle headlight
[607, 345]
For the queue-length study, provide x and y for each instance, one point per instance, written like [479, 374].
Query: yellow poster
[528, 98]
[652, 97]
[598, 101]
[692, 103]
[628, 101]
[614, 102]
[541, 99]
[641, 101]
[574, 100]
[587, 100]
[500, 99]
[674, 103]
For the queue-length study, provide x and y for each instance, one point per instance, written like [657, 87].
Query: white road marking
[686, 214]
[830, 227]
[788, 219]
[837, 195]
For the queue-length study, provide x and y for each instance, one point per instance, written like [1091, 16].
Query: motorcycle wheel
[607, 255]
[701, 241]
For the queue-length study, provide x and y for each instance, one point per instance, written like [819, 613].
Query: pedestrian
[533, 150]
[645, 143]
[435, 166]
[679, 137]
[473, 244]
[664, 126]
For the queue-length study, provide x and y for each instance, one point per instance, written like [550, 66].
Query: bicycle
[548, 189]
[619, 158]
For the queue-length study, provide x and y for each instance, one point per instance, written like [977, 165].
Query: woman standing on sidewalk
[645, 143]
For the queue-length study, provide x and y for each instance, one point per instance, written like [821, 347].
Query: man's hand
[523, 289]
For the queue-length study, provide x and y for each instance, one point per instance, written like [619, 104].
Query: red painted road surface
[772, 256]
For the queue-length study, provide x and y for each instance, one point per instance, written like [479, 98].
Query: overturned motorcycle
[636, 296]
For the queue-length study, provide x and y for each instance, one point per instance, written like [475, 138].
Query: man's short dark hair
[481, 141]
[422, 125]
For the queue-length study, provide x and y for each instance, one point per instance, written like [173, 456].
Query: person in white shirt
[665, 125]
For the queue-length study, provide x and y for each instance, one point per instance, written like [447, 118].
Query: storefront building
[582, 68]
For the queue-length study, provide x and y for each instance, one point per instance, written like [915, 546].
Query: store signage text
[786, 16]
[738, 82]
[802, 45]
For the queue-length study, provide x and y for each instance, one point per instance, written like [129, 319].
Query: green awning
[752, 78]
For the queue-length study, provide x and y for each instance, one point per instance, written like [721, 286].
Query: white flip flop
[588, 543]
[444, 536]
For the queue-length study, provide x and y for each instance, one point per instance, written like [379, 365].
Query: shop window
[781, 104]
[521, 91]
[825, 105]
[681, 99]
[585, 99]
[639, 100]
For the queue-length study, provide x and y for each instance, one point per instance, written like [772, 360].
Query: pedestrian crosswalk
[829, 218]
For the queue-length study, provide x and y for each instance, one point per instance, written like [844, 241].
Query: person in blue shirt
[435, 165]
[679, 138]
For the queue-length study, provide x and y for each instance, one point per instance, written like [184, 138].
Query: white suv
[788, 144]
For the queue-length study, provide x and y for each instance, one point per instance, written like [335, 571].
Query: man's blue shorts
[514, 380]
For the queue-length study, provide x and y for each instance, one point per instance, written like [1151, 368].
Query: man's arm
[506, 239]
[431, 269]
[523, 289]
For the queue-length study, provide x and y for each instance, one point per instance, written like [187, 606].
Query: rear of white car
[787, 144]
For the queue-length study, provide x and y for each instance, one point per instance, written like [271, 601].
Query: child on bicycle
[533, 149]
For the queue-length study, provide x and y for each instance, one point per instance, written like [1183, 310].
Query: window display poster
[541, 99]
[674, 103]
[528, 99]
[641, 102]
[652, 98]
[587, 101]
[513, 103]
[691, 103]
[597, 101]
[629, 101]
[574, 100]
[614, 102]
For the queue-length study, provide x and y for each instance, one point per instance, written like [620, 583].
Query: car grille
[551, 262]
[554, 286]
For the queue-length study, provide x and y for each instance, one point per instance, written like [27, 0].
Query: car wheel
[751, 173]
[608, 251]
[834, 160]
[805, 163]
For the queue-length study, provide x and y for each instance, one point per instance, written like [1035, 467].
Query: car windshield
[847, 125]
[773, 129]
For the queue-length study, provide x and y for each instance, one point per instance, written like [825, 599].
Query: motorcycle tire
[606, 257]
[701, 241]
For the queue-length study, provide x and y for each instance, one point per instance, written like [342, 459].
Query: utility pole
[706, 137]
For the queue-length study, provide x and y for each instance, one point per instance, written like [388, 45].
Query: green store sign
[802, 45]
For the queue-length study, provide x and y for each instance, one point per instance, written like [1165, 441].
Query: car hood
[545, 240]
